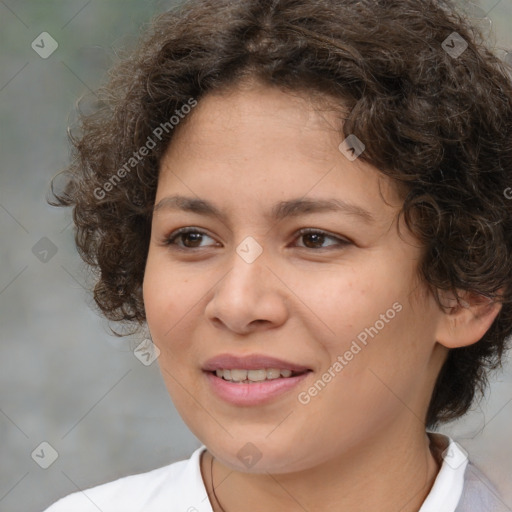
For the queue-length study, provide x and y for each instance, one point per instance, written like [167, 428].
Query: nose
[249, 297]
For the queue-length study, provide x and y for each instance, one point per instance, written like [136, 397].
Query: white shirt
[179, 487]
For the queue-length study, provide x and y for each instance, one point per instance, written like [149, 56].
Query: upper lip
[251, 362]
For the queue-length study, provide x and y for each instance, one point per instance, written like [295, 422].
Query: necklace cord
[213, 487]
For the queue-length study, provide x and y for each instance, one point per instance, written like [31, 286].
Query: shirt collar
[449, 483]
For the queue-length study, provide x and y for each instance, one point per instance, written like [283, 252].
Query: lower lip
[253, 394]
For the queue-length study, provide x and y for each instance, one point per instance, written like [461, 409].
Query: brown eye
[191, 238]
[314, 239]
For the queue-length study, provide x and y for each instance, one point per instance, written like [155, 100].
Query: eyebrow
[281, 210]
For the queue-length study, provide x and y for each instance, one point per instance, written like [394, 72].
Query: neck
[397, 474]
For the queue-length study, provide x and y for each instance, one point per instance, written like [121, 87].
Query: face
[339, 304]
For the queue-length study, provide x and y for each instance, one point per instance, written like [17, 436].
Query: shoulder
[479, 494]
[460, 486]
[178, 486]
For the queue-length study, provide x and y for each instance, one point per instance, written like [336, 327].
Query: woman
[304, 201]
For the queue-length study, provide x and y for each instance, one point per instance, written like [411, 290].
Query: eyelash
[170, 240]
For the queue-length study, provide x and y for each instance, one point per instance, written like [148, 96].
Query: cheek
[350, 302]
[372, 326]
[168, 297]
[167, 289]
[386, 372]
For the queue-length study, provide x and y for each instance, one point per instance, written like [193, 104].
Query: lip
[257, 393]
[250, 362]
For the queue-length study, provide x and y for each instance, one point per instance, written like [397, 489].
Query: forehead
[256, 116]
[265, 143]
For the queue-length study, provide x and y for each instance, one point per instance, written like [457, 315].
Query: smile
[253, 393]
[249, 376]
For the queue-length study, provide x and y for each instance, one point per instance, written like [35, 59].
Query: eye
[317, 237]
[192, 238]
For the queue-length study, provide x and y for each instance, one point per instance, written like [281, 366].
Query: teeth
[273, 373]
[257, 375]
[237, 375]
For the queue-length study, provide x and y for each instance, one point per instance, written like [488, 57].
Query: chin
[257, 456]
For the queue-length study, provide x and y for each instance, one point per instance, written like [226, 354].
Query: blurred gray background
[64, 379]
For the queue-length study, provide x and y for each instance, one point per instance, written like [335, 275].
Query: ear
[465, 322]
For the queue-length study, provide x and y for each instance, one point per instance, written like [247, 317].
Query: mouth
[253, 380]
[244, 376]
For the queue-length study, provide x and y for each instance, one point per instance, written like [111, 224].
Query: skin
[303, 300]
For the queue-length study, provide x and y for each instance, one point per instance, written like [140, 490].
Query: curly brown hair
[438, 124]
